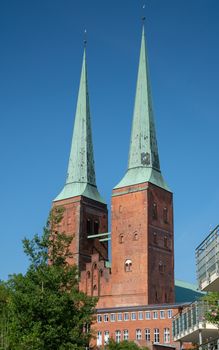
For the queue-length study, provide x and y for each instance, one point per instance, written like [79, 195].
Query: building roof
[185, 291]
[142, 307]
[143, 163]
[81, 178]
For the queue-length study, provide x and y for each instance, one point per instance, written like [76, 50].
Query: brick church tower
[85, 211]
[142, 213]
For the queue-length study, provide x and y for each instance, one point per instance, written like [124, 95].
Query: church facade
[136, 289]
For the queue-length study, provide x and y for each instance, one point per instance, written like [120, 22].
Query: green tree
[212, 315]
[124, 345]
[47, 310]
[4, 316]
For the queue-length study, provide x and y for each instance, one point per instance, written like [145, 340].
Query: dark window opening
[155, 237]
[128, 265]
[95, 287]
[89, 226]
[96, 227]
[95, 266]
[135, 236]
[101, 273]
[88, 274]
[121, 238]
[166, 299]
[154, 212]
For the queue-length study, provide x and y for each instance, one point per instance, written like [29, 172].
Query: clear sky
[40, 63]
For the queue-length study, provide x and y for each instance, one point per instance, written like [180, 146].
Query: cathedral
[135, 290]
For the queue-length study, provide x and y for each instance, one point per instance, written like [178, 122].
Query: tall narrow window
[156, 335]
[121, 238]
[106, 318]
[140, 315]
[165, 242]
[118, 336]
[99, 338]
[154, 211]
[89, 226]
[126, 316]
[96, 227]
[161, 267]
[99, 318]
[155, 315]
[166, 298]
[133, 316]
[125, 334]
[106, 337]
[147, 315]
[162, 314]
[135, 236]
[138, 334]
[119, 317]
[112, 317]
[169, 313]
[155, 237]
[165, 215]
[166, 335]
[147, 334]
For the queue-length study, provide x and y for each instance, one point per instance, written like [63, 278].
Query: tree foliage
[124, 345]
[212, 315]
[47, 310]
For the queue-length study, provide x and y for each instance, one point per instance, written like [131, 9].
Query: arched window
[106, 337]
[89, 226]
[154, 211]
[125, 334]
[135, 236]
[88, 274]
[94, 266]
[161, 267]
[128, 265]
[95, 287]
[165, 242]
[165, 215]
[147, 334]
[96, 227]
[99, 338]
[121, 238]
[155, 237]
[156, 335]
[138, 334]
[118, 336]
[166, 335]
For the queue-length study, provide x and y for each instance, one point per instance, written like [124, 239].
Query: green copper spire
[143, 164]
[81, 173]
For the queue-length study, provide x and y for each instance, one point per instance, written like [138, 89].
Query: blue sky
[40, 63]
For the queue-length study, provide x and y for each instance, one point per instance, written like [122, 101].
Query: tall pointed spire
[143, 164]
[81, 178]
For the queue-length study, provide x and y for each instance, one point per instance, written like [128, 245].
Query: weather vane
[143, 12]
[85, 37]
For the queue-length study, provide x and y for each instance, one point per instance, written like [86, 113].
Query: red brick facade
[142, 245]
[136, 293]
[146, 325]
[83, 217]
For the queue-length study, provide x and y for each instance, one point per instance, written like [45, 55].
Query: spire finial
[143, 13]
[85, 37]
